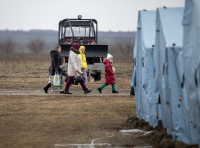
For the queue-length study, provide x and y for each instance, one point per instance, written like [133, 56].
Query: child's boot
[114, 91]
[99, 89]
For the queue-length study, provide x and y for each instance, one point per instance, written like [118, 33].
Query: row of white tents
[166, 73]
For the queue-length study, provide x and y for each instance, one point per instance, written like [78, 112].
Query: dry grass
[41, 121]
[24, 60]
[44, 121]
[30, 71]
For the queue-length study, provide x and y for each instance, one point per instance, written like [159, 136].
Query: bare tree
[121, 46]
[102, 41]
[128, 47]
[36, 45]
[7, 45]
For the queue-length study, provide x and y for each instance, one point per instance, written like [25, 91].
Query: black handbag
[66, 79]
[79, 79]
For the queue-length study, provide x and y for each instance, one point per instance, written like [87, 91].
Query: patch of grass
[44, 121]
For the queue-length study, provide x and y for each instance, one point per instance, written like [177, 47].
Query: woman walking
[109, 74]
[83, 62]
[56, 64]
[74, 66]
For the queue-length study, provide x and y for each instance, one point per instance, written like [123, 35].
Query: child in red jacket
[109, 74]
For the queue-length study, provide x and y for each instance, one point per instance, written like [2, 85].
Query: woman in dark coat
[109, 74]
[56, 64]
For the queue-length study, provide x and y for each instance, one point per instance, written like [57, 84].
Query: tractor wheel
[97, 76]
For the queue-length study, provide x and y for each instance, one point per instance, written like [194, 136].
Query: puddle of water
[136, 147]
[148, 132]
[135, 131]
[92, 145]
[131, 131]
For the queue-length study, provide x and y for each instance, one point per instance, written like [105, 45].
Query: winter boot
[47, 87]
[99, 89]
[67, 92]
[114, 91]
[87, 91]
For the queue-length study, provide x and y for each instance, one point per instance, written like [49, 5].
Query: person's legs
[102, 86]
[86, 90]
[113, 87]
[85, 75]
[47, 87]
[83, 86]
[69, 82]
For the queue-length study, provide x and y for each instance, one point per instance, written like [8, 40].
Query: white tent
[142, 77]
[191, 62]
[169, 37]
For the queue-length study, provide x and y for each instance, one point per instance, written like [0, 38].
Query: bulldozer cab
[83, 32]
[78, 31]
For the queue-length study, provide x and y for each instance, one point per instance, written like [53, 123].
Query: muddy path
[76, 92]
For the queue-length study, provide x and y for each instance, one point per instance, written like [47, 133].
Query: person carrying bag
[56, 65]
[74, 65]
[79, 79]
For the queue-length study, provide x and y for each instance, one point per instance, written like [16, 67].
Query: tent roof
[170, 21]
[191, 7]
[147, 21]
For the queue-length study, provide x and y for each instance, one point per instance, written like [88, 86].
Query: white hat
[109, 56]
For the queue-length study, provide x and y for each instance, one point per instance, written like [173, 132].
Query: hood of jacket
[106, 61]
[53, 52]
[74, 50]
[81, 52]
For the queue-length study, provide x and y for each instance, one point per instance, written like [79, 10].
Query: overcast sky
[114, 15]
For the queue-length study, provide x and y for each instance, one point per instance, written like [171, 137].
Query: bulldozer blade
[90, 51]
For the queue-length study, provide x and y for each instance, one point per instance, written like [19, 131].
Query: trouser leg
[83, 86]
[113, 86]
[69, 82]
[102, 86]
[85, 75]
[47, 87]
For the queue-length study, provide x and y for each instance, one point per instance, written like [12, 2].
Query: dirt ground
[29, 118]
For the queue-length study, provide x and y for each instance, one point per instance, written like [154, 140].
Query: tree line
[119, 43]
[35, 45]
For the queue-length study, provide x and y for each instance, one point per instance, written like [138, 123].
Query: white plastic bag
[56, 80]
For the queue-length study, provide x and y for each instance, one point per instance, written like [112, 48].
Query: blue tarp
[143, 67]
[169, 40]
[167, 77]
[191, 62]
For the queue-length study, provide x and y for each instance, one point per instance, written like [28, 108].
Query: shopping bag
[66, 79]
[55, 85]
[79, 79]
[56, 80]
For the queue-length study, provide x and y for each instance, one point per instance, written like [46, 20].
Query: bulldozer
[85, 33]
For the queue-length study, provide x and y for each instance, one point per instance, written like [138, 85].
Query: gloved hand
[62, 66]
